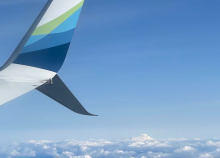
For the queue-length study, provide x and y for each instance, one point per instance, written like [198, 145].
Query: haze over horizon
[136, 147]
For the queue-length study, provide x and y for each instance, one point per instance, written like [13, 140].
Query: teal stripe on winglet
[50, 26]
[69, 24]
[34, 39]
[51, 40]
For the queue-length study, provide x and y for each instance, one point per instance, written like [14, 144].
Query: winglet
[59, 92]
[21, 45]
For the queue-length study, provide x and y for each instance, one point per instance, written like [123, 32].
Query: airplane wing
[17, 80]
[39, 56]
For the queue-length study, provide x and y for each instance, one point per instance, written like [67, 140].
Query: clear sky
[143, 66]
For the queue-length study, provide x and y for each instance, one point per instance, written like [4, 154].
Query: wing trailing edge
[59, 92]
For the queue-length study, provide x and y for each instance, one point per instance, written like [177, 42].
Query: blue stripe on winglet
[51, 40]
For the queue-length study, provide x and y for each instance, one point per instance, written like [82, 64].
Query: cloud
[135, 147]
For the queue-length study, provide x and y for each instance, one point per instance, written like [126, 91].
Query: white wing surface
[17, 80]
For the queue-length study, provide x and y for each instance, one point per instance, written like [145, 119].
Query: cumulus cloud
[135, 147]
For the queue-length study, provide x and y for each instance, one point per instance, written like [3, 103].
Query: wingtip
[94, 115]
[89, 114]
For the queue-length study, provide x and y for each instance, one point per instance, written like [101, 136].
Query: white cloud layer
[136, 147]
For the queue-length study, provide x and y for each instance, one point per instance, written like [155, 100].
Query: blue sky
[143, 66]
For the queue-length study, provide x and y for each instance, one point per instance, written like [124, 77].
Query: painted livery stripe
[50, 26]
[34, 39]
[67, 25]
[51, 40]
[49, 59]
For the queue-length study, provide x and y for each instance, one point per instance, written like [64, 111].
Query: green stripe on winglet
[50, 26]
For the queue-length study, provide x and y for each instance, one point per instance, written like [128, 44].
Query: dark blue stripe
[50, 59]
[51, 40]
